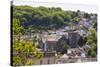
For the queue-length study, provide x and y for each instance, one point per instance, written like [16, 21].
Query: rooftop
[52, 37]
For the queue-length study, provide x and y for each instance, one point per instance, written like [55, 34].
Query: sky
[64, 6]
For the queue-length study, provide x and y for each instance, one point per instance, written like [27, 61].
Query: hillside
[42, 18]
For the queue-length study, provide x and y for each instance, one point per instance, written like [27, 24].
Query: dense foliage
[43, 18]
[92, 42]
[24, 51]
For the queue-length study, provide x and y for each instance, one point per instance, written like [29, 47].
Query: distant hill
[43, 18]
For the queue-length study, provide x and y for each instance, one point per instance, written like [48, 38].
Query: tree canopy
[46, 18]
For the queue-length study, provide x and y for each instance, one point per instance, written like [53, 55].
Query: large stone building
[49, 42]
[55, 42]
[73, 38]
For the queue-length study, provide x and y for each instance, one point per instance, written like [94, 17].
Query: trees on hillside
[45, 18]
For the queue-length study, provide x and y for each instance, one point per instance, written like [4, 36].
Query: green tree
[16, 27]
[24, 51]
[92, 42]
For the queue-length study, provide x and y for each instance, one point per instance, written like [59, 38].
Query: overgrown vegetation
[42, 18]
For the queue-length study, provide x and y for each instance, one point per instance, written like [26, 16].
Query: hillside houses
[52, 43]
[55, 42]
